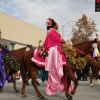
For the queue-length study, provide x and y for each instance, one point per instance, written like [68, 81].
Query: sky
[36, 12]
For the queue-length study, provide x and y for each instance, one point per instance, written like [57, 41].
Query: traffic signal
[97, 5]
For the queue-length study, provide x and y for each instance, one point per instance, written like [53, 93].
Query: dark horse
[69, 70]
[18, 55]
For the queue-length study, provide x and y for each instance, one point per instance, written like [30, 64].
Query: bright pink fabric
[53, 63]
[52, 39]
[37, 59]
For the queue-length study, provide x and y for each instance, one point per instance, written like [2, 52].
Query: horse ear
[27, 45]
[96, 40]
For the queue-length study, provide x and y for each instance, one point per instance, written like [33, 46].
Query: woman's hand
[63, 41]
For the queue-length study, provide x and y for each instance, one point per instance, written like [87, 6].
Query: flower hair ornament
[49, 22]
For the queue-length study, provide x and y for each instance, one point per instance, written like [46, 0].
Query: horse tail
[23, 69]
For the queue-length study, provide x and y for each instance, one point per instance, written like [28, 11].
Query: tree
[84, 30]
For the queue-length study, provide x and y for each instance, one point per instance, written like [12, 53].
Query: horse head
[85, 48]
[30, 46]
[98, 42]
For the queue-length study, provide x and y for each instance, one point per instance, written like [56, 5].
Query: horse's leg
[97, 78]
[67, 88]
[73, 78]
[32, 68]
[99, 81]
[25, 81]
[34, 79]
[14, 81]
[91, 77]
[38, 84]
[69, 72]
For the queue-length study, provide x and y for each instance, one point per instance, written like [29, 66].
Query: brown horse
[18, 56]
[82, 50]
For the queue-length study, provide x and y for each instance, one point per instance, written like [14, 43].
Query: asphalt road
[84, 92]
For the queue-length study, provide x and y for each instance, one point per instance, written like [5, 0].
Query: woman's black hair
[48, 27]
[52, 25]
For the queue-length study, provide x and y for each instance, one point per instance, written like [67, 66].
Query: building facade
[18, 33]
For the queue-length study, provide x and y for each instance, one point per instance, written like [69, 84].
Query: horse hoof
[69, 97]
[91, 85]
[42, 98]
[1, 90]
[17, 91]
[23, 96]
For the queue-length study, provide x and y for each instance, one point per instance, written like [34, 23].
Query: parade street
[84, 92]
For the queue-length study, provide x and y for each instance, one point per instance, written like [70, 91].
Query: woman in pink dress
[55, 60]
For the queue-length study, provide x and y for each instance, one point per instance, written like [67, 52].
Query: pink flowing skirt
[54, 65]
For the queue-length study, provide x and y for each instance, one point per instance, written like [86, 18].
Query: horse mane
[87, 43]
[20, 50]
[84, 47]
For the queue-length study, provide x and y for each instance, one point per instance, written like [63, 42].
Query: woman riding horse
[3, 45]
[50, 57]
[54, 59]
[8, 66]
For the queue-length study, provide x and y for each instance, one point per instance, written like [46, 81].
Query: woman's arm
[58, 34]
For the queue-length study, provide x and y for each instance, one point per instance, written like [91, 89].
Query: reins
[81, 51]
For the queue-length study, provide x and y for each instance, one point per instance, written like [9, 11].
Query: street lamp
[63, 27]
